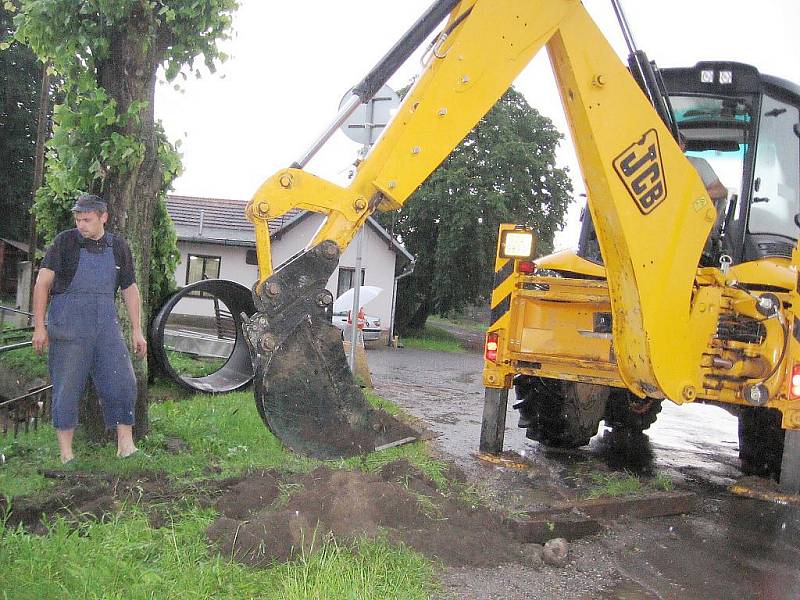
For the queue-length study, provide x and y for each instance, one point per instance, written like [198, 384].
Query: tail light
[794, 383]
[490, 353]
[526, 266]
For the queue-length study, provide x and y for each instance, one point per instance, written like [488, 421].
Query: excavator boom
[651, 212]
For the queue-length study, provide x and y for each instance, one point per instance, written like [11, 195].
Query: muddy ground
[258, 526]
[268, 517]
[728, 547]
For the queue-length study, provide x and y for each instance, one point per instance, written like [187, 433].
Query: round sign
[369, 120]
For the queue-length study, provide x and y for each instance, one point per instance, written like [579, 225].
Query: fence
[24, 412]
[15, 325]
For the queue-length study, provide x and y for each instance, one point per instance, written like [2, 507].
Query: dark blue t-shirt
[63, 255]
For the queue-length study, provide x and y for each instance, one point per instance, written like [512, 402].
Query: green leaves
[99, 129]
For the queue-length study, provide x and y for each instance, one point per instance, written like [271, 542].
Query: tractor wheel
[560, 414]
[760, 442]
[626, 411]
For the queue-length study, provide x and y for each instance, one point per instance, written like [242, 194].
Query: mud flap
[304, 390]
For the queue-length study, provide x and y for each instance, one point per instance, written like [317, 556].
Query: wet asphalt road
[729, 547]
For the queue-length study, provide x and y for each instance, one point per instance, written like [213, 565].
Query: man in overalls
[83, 269]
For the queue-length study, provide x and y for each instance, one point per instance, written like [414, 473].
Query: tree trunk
[413, 308]
[420, 316]
[129, 75]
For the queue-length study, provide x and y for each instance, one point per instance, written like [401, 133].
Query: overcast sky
[291, 62]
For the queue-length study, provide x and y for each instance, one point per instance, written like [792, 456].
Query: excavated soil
[266, 519]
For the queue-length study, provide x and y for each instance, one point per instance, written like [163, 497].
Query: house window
[251, 258]
[346, 276]
[199, 267]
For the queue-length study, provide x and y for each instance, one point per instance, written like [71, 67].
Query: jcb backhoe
[727, 335]
[645, 322]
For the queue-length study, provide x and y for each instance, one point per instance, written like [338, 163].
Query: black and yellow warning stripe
[503, 285]
[501, 289]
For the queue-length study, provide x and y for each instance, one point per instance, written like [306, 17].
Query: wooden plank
[660, 504]
[580, 518]
[570, 526]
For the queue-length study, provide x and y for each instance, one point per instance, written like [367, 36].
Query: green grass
[462, 322]
[25, 363]
[626, 484]
[125, 558]
[432, 338]
[223, 433]
[192, 365]
[382, 403]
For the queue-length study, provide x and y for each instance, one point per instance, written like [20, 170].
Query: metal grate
[226, 325]
[15, 326]
[23, 413]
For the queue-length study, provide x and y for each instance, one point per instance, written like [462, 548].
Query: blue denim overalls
[85, 340]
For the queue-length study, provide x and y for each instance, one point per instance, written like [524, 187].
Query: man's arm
[41, 293]
[717, 192]
[132, 299]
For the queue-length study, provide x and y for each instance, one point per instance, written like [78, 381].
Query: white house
[215, 240]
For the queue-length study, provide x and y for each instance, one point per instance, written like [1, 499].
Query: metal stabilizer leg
[493, 427]
[304, 390]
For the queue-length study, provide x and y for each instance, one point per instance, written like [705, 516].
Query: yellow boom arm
[650, 209]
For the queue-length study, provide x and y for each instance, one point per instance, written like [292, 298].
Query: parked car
[370, 325]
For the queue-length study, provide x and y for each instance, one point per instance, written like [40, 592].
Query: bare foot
[66, 459]
[127, 452]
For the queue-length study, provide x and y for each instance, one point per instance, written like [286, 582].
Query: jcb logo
[640, 169]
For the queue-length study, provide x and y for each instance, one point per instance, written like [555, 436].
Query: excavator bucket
[304, 390]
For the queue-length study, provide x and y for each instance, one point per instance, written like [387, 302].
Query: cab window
[776, 185]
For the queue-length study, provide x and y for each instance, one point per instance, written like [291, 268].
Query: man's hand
[40, 339]
[130, 295]
[139, 344]
[41, 292]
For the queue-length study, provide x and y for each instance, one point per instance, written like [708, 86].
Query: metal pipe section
[237, 372]
[17, 346]
[380, 73]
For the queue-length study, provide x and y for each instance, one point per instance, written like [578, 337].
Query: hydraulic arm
[650, 209]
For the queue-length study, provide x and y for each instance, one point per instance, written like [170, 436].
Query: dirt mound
[264, 520]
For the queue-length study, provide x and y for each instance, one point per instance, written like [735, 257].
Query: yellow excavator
[668, 297]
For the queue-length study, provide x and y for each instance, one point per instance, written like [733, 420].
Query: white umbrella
[367, 294]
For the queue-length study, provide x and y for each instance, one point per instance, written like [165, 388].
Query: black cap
[90, 203]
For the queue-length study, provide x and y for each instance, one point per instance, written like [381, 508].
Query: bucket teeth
[303, 386]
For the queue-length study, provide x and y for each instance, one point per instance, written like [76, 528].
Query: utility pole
[364, 125]
[38, 170]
